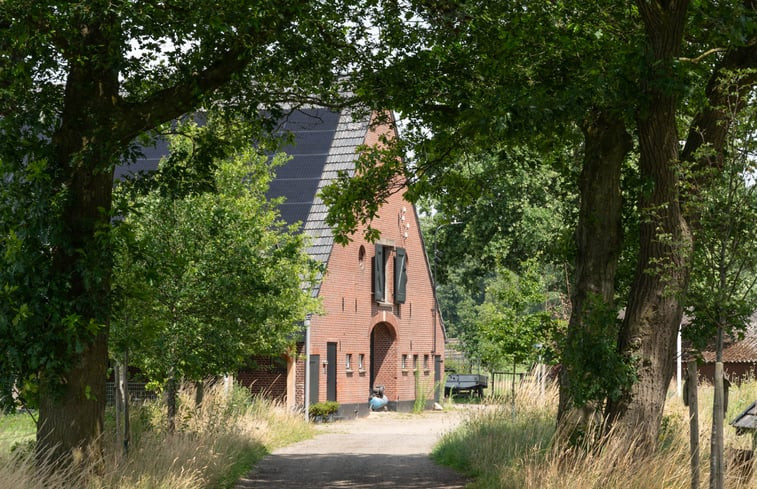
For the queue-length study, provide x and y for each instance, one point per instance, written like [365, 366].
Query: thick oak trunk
[72, 402]
[598, 242]
[653, 314]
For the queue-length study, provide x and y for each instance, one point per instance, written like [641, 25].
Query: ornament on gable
[403, 223]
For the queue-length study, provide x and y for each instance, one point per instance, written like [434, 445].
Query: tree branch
[703, 55]
[172, 102]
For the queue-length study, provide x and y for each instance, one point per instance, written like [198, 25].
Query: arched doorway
[384, 359]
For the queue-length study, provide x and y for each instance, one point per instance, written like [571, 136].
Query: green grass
[15, 429]
[211, 449]
[506, 448]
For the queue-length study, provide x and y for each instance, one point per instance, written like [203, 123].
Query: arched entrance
[384, 359]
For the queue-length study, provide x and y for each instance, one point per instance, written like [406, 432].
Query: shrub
[323, 409]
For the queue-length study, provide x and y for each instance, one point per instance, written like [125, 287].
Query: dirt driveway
[385, 449]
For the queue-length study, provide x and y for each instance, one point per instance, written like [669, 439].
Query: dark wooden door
[331, 371]
[315, 361]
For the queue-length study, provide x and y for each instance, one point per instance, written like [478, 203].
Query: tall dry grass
[512, 447]
[212, 447]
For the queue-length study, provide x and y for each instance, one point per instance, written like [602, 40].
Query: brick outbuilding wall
[269, 378]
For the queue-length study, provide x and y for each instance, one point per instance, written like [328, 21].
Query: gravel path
[386, 449]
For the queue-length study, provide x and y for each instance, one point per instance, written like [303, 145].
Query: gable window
[400, 276]
[379, 273]
[380, 282]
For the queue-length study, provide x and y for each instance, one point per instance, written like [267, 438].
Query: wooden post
[125, 389]
[693, 421]
[717, 470]
[117, 398]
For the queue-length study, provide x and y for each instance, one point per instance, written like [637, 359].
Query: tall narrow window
[348, 361]
[404, 361]
[361, 361]
[379, 274]
[400, 276]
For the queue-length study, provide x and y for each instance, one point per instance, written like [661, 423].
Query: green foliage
[206, 280]
[512, 325]
[323, 409]
[79, 86]
[590, 354]
[723, 199]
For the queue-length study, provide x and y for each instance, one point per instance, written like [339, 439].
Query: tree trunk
[199, 393]
[717, 468]
[693, 381]
[599, 241]
[71, 415]
[72, 403]
[125, 386]
[653, 314]
[170, 397]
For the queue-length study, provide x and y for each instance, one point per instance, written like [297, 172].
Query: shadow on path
[339, 470]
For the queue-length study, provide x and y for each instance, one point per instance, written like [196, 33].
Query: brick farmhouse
[379, 325]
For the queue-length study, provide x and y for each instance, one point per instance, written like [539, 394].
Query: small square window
[348, 361]
[404, 361]
[361, 361]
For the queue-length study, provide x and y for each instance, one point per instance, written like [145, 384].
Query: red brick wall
[268, 378]
[351, 314]
[736, 372]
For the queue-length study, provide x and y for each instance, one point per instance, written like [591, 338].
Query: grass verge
[213, 446]
[511, 446]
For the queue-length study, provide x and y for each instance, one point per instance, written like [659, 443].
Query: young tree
[79, 81]
[513, 319]
[211, 278]
[722, 296]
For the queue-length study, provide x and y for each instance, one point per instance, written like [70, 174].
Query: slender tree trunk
[599, 241]
[199, 393]
[653, 314]
[170, 397]
[118, 397]
[125, 387]
[717, 468]
[693, 381]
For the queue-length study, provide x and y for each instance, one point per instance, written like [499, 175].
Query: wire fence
[137, 391]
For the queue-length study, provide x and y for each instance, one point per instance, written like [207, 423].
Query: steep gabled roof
[325, 143]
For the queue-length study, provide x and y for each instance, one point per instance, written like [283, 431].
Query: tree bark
[653, 314]
[170, 397]
[717, 465]
[72, 403]
[693, 381]
[599, 238]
